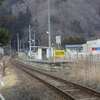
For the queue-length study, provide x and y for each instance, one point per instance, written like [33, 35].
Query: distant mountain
[68, 17]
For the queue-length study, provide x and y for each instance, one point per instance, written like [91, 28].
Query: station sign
[59, 53]
[21, 54]
[58, 39]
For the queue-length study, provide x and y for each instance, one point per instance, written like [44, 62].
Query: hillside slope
[70, 17]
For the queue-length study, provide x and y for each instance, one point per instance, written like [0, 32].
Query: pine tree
[4, 37]
[1, 1]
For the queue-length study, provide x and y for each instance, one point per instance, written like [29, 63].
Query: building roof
[44, 47]
[74, 46]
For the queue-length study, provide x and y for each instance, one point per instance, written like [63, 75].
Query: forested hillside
[68, 18]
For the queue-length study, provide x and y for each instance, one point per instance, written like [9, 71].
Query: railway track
[67, 89]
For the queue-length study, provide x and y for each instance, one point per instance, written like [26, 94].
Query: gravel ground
[21, 86]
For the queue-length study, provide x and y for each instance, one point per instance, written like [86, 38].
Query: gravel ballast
[21, 86]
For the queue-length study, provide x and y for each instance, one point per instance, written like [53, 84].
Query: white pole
[60, 39]
[30, 41]
[34, 42]
[49, 29]
[18, 43]
[2, 98]
[23, 45]
[60, 57]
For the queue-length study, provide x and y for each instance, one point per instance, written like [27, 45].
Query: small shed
[42, 52]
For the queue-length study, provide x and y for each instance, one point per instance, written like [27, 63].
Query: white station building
[92, 46]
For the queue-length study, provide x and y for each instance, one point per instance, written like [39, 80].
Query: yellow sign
[59, 53]
[21, 54]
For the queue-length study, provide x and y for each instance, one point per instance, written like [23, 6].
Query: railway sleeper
[95, 98]
[72, 90]
[88, 91]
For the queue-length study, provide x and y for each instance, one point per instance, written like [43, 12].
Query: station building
[42, 52]
[92, 46]
[73, 49]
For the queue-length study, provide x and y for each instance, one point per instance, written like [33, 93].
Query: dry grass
[87, 71]
[9, 76]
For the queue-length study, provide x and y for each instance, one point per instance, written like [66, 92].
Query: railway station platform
[46, 64]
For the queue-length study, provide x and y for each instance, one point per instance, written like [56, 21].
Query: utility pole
[30, 41]
[49, 34]
[60, 39]
[23, 45]
[14, 44]
[34, 42]
[18, 43]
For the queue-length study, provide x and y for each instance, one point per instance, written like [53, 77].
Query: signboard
[59, 53]
[58, 39]
[21, 54]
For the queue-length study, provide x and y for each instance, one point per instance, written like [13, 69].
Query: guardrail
[1, 97]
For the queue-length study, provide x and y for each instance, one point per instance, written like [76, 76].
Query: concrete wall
[94, 44]
[39, 53]
[50, 66]
[87, 48]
